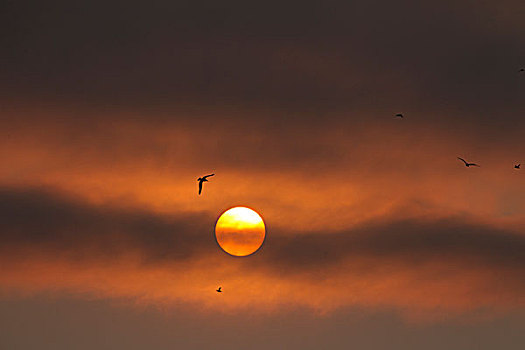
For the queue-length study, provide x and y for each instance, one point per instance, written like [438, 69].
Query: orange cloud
[422, 268]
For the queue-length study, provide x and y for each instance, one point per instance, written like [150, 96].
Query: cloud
[294, 112]
[408, 242]
[333, 58]
[40, 221]
[46, 221]
[423, 267]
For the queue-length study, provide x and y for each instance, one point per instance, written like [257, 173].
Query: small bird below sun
[240, 231]
[219, 290]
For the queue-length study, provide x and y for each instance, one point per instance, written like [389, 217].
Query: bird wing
[473, 164]
[463, 160]
[204, 177]
[200, 187]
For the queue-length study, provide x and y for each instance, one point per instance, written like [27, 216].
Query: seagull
[517, 166]
[219, 290]
[467, 164]
[201, 180]
[399, 115]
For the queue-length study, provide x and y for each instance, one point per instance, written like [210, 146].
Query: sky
[377, 236]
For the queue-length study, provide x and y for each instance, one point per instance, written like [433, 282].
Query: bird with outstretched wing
[467, 164]
[203, 179]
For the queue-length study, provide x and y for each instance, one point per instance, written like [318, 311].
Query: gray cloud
[299, 62]
[55, 225]
[409, 242]
[43, 222]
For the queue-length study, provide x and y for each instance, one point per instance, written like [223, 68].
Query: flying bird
[219, 290]
[201, 180]
[399, 115]
[517, 166]
[466, 163]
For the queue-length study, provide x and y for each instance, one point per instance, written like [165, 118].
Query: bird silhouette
[201, 180]
[466, 163]
[517, 166]
[399, 115]
[522, 70]
[219, 290]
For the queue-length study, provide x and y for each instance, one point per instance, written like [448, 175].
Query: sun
[240, 231]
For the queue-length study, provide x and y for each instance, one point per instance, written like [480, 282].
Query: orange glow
[240, 231]
[151, 170]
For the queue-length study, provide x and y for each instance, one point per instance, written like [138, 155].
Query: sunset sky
[377, 236]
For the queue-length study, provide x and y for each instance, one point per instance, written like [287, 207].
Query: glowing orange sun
[240, 231]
